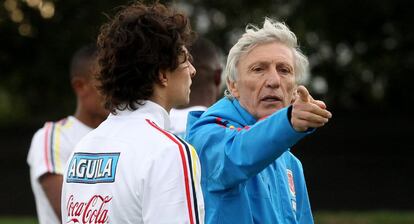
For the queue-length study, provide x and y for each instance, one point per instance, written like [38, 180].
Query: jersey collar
[149, 110]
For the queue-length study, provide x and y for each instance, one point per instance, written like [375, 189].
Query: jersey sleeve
[39, 154]
[230, 156]
[48, 149]
[170, 187]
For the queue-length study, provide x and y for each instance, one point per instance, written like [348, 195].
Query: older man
[249, 174]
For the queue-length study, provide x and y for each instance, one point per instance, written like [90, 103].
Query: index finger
[303, 93]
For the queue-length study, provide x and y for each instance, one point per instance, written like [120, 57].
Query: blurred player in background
[52, 145]
[206, 84]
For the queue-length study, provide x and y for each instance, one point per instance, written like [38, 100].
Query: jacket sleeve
[229, 156]
[168, 193]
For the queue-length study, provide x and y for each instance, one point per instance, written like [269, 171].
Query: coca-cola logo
[92, 211]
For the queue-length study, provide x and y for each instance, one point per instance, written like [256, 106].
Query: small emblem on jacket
[291, 182]
[91, 168]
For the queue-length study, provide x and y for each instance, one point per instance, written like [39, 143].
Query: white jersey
[130, 170]
[179, 119]
[50, 149]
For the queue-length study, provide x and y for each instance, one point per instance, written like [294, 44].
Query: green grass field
[323, 217]
[377, 217]
[18, 220]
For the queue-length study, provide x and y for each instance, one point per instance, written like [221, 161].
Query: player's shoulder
[57, 133]
[44, 140]
[162, 135]
[48, 126]
[64, 122]
[162, 142]
[135, 131]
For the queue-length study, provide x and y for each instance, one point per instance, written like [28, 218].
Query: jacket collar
[227, 109]
[246, 116]
[149, 110]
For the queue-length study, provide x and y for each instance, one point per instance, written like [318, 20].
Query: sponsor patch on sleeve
[92, 168]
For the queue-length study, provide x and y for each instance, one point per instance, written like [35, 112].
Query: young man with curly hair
[129, 169]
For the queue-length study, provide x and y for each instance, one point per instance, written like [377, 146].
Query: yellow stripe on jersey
[194, 160]
[68, 124]
[58, 142]
[56, 147]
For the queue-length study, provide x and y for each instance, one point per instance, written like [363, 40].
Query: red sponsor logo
[93, 211]
[291, 182]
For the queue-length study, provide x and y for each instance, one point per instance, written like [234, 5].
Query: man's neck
[88, 120]
[161, 100]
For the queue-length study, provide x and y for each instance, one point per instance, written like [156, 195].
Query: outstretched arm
[230, 156]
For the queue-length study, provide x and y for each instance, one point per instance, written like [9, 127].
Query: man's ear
[233, 87]
[163, 77]
[78, 85]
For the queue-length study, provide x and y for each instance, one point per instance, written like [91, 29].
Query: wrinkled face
[179, 80]
[265, 80]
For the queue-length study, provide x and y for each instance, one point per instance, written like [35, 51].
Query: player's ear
[78, 85]
[163, 77]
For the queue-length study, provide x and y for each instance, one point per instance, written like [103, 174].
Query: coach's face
[265, 80]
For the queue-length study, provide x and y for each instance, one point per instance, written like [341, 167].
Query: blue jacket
[248, 172]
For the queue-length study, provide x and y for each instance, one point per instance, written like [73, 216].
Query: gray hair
[272, 31]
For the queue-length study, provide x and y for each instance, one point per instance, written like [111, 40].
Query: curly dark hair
[132, 48]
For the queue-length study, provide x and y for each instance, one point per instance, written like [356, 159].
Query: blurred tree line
[361, 52]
